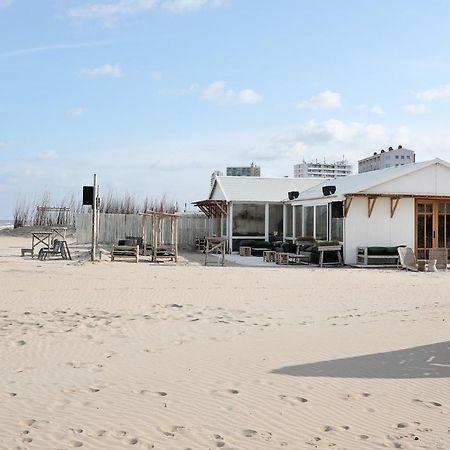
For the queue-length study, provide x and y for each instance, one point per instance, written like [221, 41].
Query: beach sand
[122, 355]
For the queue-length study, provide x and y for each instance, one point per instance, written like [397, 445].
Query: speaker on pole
[88, 195]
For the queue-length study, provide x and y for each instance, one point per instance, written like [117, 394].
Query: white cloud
[106, 71]
[74, 112]
[378, 110]
[54, 47]
[47, 156]
[5, 144]
[111, 12]
[218, 92]
[180, 6]
[439, 93]
[419, 108]
[325, 100]
[5, 3]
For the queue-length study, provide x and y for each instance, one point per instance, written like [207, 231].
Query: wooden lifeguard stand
[158, 247]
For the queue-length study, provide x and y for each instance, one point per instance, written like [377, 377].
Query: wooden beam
[394, 204]
[370, 204]
[348, 203]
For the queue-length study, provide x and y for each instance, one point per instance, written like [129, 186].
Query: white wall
[432, 180]
[379, 229]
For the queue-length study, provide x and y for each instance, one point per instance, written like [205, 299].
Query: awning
[212, 208]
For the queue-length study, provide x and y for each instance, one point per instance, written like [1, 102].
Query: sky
[154, 95]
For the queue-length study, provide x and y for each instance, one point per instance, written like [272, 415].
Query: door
[432, 226]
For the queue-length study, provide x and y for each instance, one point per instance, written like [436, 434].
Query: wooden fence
[113, 227]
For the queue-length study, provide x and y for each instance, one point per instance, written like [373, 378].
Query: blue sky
[153, 95]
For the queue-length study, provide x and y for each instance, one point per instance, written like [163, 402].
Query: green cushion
[376, 250]
[393, 250]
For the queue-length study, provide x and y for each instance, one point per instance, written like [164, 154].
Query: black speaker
[328, 190]
[337, 210]
[293, 195]
[88, 195]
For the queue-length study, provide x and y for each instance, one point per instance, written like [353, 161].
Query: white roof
[258, 189]
[368, 181]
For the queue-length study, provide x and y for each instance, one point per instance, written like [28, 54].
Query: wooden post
[94, 221]
[175, 220]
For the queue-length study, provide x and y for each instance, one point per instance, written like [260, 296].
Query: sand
[122, 355]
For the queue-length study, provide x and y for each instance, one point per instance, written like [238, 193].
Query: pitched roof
[362, 182]
[258, 189]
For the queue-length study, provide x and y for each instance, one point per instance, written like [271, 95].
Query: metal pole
[94, 221]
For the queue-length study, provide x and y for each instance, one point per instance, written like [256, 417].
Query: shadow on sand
[426, 361]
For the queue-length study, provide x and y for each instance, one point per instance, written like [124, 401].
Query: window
[337, 221]
[321, 223]
[308, 212]
[289, 219]
[408, 157]
[248, 219]
[298, 221]
[403, 157]
[276, 220]
[396, 156]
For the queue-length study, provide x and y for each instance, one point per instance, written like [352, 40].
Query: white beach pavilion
[253, 207]
[406, 205]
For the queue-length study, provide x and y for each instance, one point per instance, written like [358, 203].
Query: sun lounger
[408, 259]
[128, 251]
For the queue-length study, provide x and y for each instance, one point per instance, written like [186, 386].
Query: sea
[6, 224]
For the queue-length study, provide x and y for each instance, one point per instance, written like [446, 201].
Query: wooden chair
[441, 257]
[54, 250]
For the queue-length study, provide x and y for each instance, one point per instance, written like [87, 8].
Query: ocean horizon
[4, 224]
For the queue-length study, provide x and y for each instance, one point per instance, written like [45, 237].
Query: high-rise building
[322, 170]
[387, 158]
[251, 171]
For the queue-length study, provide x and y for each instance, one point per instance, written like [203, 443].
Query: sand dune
[120, 355]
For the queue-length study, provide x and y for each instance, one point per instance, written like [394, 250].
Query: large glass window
[289, 224]
[308, 212]
[337, 221]
[248, 219]
[276, 221]
[321, 222]
[298, 221]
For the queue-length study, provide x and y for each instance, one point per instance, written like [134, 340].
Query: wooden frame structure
[212, 208]
[159, 249]
[215, 245]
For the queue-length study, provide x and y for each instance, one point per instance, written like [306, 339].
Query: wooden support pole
[370, 204]
[94, 221]
[394, 204]
[348, 203]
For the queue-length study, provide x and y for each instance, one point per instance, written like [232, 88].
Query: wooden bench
[364, 258]
[131, 251]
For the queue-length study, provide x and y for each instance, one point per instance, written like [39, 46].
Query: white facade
[322, 170]
[369, 199]
[384, 159]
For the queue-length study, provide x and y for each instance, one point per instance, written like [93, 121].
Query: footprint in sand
[153, 393]
[225, 392]
[265, 435]
[293, 400]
